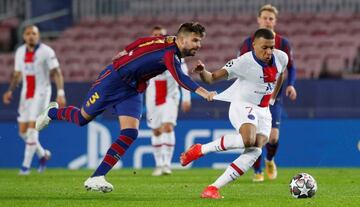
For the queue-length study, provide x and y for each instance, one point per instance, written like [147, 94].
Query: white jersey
[35, 68]
[255, 80]
[164, 87]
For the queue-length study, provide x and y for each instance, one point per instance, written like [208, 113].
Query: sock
[238, 167]
[32, 138]
[116, 150]
[70, 114]
[156, 143]
[168, 147]
[226, 142]
[271, 150]
[257, 165]
[40, 150]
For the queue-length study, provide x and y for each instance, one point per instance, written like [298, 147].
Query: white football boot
[43, 120]
[98, 183]
[157, 171]
[166, 170]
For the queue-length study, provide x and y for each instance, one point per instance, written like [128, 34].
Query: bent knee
[249, 142]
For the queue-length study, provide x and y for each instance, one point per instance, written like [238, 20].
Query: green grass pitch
[61, 187]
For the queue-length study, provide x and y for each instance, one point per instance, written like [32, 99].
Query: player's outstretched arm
[208, 95]
[210, 77]
[15, 80]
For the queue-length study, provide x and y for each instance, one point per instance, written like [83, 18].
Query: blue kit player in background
[267, 19]
[121, 84]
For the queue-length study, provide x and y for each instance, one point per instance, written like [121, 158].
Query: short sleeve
[234, 68]
[18, 59]
[51, 60]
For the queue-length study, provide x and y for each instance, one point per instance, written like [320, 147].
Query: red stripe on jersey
[140, 41]
[222, 143]
[30, 86]
[270, 74]
[139, 52]
[237, 168]
[278, 41]
[29, 57]
[160, 92]
[170, 65]
[265, 101]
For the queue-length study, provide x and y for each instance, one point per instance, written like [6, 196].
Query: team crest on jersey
[229, 64]
[251, 117]
[170, 39]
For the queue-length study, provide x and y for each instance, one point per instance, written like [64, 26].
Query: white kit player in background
[259, 76]
[35, 62]
[162, 102]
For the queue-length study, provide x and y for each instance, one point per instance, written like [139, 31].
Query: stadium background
[319, 129]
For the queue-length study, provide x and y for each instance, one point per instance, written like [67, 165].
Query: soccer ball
[303, 185]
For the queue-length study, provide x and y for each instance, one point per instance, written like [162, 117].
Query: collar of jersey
[35, 48]
[261, 62]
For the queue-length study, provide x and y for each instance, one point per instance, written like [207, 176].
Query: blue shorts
[276, 110]
[110, 91]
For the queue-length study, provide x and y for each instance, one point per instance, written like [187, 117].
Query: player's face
[191, 43]
[31, 36]
[158, 32]
[267, 20]
[264, 49]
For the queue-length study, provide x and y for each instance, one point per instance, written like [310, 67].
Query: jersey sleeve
[18, 60]
[290, 65]
[51, 60]
[186, 96]
[138, 42]
[235, 69]
[173, 65]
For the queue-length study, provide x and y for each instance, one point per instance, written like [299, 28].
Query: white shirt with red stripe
[35, 67]
[163, 87]
[255, 80]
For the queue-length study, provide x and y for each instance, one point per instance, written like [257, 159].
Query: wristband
[61, 92]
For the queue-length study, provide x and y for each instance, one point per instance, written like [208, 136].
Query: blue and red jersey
[282, 44]
[148, 57]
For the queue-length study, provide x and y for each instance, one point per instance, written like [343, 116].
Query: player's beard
[190, 52]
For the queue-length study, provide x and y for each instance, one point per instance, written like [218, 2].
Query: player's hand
[7, 97]
[291, 92]
[185, 106]
[61, 100]
[210, 96]
[120, 54]
[200, 67]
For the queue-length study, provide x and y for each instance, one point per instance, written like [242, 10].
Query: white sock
[156, 143]
[226, 142]
[168, 147]
[238, 167]
[30, 146]
[40, 150]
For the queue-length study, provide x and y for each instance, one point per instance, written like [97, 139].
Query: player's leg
[156, 143]
[168, 139]
[153, 117]
[129, 112]
[28, 151]
[239, 114]
[102, 94]
[273, 144]
[239, 166]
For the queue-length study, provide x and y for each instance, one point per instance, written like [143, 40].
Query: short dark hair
[157, 27]
[190, 27]
[264, 33]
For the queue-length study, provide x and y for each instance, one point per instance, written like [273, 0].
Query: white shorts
[164, 113]
[242, 112]
[30, 109]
